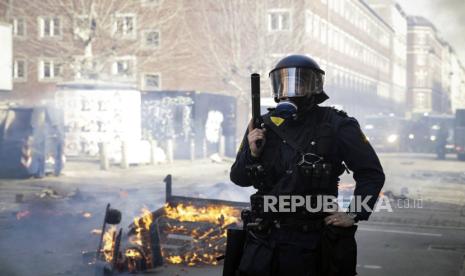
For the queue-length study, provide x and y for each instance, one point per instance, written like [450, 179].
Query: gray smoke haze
[447, 15]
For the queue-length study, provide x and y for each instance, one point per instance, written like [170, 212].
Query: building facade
[353, 43]
[427, 86]
[456, 76]
[213, 46]
[393, 14]
[107, 40]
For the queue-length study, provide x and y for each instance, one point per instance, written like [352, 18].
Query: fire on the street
[188, 234]
[217, 214]
[199, 232]
[109, 243]
[141, 239]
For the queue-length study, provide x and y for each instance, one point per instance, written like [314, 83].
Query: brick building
[213, 46]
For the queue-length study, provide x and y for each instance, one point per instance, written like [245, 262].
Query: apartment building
[110, 40]
[213, 46]
[427, 89]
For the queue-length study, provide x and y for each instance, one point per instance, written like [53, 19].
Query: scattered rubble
[49, 193]
[446, 177]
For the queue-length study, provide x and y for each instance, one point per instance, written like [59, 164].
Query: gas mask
[295, 89]
[286, 109]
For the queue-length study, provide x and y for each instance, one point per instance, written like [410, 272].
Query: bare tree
[87, 35]
[238, 37]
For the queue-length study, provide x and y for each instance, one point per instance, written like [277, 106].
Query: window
[323, 31]
[124, 67]
[151, 81]
[19, 27]
[421, 78]
[420, 100]
[152, 38]
[421, 38]
[49, 69]
[279, 21]
[308, 22]
[49, 26]
[316, 26]
[337, 40]
[125, 25]
[19, 69]
[421, 60]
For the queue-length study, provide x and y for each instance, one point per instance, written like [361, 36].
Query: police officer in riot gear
[303, 150]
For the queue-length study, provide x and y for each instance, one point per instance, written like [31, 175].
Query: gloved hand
[340, 219]
[253, 136]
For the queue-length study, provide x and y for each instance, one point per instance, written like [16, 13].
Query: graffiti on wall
[92, 117]
[213, 126]
[167, 118]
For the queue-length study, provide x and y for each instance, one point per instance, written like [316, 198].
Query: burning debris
[189, 231]
[195, 234]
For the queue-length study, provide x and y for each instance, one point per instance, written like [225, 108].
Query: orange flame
[141, 238]
[174, 259]
[142, 224]
[109, 243]
[217, 214]
[132, 253]
[207, 243]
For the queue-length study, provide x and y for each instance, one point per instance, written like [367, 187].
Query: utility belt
[333, 253]
[315, 176]
[302, 220]
[257, 204]
[251, 251]
[265, 225]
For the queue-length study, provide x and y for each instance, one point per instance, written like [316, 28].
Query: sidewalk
[86, 175]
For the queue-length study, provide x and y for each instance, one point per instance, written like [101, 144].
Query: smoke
[446, 15]
[450, 20]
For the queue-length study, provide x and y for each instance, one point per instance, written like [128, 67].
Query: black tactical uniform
[299, 244]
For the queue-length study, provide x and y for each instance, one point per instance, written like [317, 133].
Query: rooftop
[420, 21]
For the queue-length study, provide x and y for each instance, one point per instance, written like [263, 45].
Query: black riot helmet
[298, 76]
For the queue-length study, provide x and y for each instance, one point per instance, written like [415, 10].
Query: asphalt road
[386, 248]
[409, 241]
[398, 250]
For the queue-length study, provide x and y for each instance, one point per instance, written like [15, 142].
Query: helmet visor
[296, 82]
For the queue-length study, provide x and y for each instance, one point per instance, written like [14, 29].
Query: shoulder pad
[340, 112]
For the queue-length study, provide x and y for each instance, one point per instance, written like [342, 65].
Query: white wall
[6, 60]
[98, 115]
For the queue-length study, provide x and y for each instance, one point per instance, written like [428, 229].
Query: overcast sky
[447, 15]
